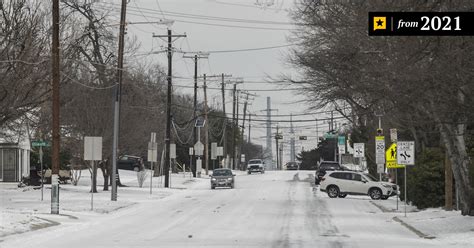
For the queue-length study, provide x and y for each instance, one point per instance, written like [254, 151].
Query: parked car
[128, 162]
[323, 167]
[292, 166]
[256, 165]
[222, 178]
[343, 183]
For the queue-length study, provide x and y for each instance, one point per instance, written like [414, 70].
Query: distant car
[343, 183]
[128, 162]
[325, 166]
[256, 165]
[292, 166]
[222, 178]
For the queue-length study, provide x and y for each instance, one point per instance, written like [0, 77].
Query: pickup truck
[256, 165]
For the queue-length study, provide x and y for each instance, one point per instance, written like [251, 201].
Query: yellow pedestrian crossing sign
[391, 157]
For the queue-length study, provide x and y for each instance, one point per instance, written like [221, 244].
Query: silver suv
[222, 178]
[256, 165]
[343, 183]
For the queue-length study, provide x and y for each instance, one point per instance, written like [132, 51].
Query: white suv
[342, 183]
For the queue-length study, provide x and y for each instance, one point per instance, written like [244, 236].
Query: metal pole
[380, 126]
[42, 174]
[92, 186]
[193, 169]
[396, 182]
[405, 190]
[151, 177]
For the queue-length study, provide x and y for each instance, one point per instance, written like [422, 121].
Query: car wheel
[232, 186]
[375, 194]
[342, 195]
[249, 172]
[213, 187]
[333, 191]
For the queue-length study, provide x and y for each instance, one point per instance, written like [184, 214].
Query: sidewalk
[433, 223]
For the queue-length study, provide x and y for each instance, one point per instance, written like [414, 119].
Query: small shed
[14, 161]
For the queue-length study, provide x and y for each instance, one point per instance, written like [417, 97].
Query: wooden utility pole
[224, 140]
[232, 152]
[206, 129]
[55, 132]
[198, 55]
[277, 153]
[166, 168]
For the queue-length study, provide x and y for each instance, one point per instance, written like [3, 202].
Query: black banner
[421, 23]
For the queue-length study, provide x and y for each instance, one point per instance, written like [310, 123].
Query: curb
[411, 228]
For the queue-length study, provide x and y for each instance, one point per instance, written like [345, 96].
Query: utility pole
[234, 92]
[250, 118]
[277, 153]
[55, 124]
[206, 129]
[224, 140]
[118, 90]
[168, 105]
[198, 55]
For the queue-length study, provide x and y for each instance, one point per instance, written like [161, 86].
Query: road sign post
[380, 154]
[92, 152]
[406, 156]
[40, 144]
[152, 157]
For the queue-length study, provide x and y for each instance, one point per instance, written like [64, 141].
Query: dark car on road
[292, 166]
[128, 162]
[222, 178]
[326, 166]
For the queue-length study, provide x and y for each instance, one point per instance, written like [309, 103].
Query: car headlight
[213, 179]
[229, 179]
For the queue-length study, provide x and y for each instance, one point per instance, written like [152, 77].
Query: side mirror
[363, 180]
[233, 175]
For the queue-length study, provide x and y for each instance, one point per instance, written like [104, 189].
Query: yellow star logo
[380, 22]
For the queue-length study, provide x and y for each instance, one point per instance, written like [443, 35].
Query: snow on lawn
[22, 210]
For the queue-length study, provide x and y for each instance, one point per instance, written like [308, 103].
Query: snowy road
[276, 209]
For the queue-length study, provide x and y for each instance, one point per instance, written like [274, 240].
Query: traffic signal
[379, 132]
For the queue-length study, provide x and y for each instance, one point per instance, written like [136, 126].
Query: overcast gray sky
[219, 27]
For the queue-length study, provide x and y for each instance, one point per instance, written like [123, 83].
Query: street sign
[213, 150]
[191, 151]
[406, 152]
[220, 151]
[152, 152]
[380, 149]
[172, 151]
[38, 143]
[199, 148]
[359, 150]
[200, 122]
[242, 158]
[329, 136]
[380, 168]
[93, 148]
[391, 157]
[393, 135]
[341, 140]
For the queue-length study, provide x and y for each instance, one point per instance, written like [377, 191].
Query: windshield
[370, 177]
[222, 173]
[255, 161]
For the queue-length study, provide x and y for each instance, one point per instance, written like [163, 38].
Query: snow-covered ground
[276, 209]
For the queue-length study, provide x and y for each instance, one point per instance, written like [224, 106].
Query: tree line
[423, 86]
